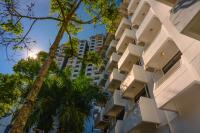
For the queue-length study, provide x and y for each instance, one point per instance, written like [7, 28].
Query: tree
[64, 11]
[62, 99]
[10, 91]
[14, 87]
[65, 100]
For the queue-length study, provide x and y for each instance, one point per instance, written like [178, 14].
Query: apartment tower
[154, 69]
[95, 44]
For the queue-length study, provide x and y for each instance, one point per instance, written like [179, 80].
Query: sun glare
[33, 53]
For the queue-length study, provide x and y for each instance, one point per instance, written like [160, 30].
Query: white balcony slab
[160, 51]
[114, 80]
[112, 63]
[149, 28]
[130, 57]
[116, 104]
[168, 2]
[132, 6]
[124, 24]
[101, 122]
[143, 117]
[173, 84]
[111, 48]
[127, 37]
[140, 13]
[134, 82]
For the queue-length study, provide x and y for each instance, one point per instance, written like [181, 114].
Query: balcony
[130, 57]
[124, 24]
[134, 82]
[127, 37]
[143, 117]
[160, 51]
[118, 128]
[140, 13]
[132, 6]
[126, 2]
[185, 16]
[111, 48]
[114, 80]
[123, 9]
[180, 82]
[149, 28]
[112, 63]
[103, 79]
[168, 2]
[101, 122]
[115, 107]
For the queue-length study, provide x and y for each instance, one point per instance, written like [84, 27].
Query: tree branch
[70, 41]
[84, 22]
[61, 9]
[17, 14]
[24, 37]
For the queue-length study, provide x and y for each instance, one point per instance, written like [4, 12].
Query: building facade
[93, 44]
[154, 69]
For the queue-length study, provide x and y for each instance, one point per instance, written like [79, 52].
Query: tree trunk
[26, 109]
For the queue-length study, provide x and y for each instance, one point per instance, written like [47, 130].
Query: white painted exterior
[168, 71]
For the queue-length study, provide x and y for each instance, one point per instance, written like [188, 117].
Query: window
[96, 78]
[88, 74]
[97, 73]
[89, 69]
[75, 75]
[76, 70]
[172, 62]
[81, 47]
[144, 92]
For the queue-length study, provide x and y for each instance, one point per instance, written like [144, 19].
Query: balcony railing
[125, 24]
[132, 6]
[100, 121]
[127, 37]
[168, 2]
[174, 85]
[134, 82]
[114, 80]
[168, 74]
[112, 63]
[130, 57]
[116, 105]
[140, 13]
[145, 111]
[111, 48]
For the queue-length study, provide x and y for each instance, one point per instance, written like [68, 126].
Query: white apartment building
[73, 62]
[60, 55]
[95, 43]
[76, 63]
[154, 69]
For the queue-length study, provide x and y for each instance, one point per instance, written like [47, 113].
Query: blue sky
[44, 33]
